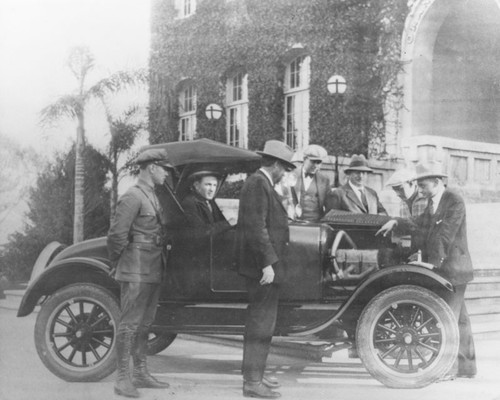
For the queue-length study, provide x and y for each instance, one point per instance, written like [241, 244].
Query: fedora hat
[358, 163]
[280, 151]
[431, 169]
[401, 176]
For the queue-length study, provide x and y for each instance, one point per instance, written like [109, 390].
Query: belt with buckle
[150, 239]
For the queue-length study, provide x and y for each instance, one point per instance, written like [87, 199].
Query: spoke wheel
[75, 333]
[159, 341]
[407, 337]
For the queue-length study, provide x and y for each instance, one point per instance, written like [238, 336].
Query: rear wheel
[75, 333]
[407, 337]
[159, 341]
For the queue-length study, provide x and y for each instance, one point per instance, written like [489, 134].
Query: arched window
[237, 109]
[187, 112]
[296, 105]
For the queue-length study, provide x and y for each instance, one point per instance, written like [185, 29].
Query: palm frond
[67, 106]
[118, 81]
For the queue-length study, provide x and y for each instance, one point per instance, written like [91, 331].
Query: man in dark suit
[355, 196]
[442, 239]
[263, 236]
[136, 245]
[203, 220]
[311, 187]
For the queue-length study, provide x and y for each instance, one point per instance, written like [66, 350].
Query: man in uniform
[355, 196]
[263, 236]
[442, 239]
[136, 247]
[404, 184]
[311, 185]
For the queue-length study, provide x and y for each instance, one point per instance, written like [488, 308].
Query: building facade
[420, 78]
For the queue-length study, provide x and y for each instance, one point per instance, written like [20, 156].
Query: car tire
[159, 341]
[407, 337]
[75, 333]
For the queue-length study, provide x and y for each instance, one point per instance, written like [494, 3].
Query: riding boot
[141, 377]
[123, 385]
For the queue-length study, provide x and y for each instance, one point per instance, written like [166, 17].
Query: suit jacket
[442, 237]
[322, 182]
[344, 198]
[131, 243]
[263, 231]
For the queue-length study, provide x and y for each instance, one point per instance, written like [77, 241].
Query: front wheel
[75, 333]
[407, 337]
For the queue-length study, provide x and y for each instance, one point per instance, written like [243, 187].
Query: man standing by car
[263, 236]
[404, 184]
[311, 185]
[442, 239]
[355, 196]
[136, 244]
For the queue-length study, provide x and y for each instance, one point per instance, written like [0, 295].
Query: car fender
[380, 280]
[64, 272]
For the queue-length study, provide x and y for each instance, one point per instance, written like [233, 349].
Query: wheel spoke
[429, 335]
[425, 324]
[410, 359]
[389, 351]
[64, 323]
[103, 318]
[433, 349]
[107, 332]
[399, 356]
[70, 313]
[62, 334]
[103, 344]
[84, 358]
[72, 355]
[419, 354]
[68, 343]
[386, 328]
[415, 317]
[82, 311]
[394, 319]
[388, 340]
[94, 352]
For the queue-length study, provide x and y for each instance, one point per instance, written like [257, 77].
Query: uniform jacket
[322, 182]
[263, 231]
[132, 235]
[442, 237]
[344, 198]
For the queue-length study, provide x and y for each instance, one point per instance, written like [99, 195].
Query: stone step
[490, 283]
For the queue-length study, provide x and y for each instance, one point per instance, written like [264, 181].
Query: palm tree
[73, 106]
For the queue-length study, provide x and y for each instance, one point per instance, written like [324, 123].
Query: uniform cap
[157, 156]
[200, 174]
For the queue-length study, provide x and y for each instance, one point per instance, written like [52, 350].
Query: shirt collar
[267, 175]
[437, 198]
[355, 188]
[304, 174]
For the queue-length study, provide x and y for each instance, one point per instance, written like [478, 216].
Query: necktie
[363, 199]
[210, 207]
[309, 175]
[431, 206]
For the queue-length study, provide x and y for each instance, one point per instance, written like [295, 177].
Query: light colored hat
[315, 152]
[279, 150]
[358, 163]
[431, 169]
[401, 176]
[157, 156]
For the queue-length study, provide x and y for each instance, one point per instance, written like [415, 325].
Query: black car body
[344, 285]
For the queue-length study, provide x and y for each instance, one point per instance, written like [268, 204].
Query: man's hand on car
[387, 227]
[267, 275]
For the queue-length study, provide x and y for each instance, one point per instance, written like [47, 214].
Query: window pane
[290, 121]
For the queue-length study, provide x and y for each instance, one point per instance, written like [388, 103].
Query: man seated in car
[203, 220]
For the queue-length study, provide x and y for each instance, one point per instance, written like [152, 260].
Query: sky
[35, 39]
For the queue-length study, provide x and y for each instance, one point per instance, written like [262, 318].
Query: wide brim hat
[280, 151]
[203, 173]
[358, 163]
[156, 156]
[401, 176]
[431, 169]
[315, 152]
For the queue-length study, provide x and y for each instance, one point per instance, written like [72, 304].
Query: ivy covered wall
[359, 39]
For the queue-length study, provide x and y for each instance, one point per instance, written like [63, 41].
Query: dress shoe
[271, 382]
[467, 376]
[259, 390]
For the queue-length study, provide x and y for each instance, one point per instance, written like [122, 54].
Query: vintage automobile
[345, 286]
